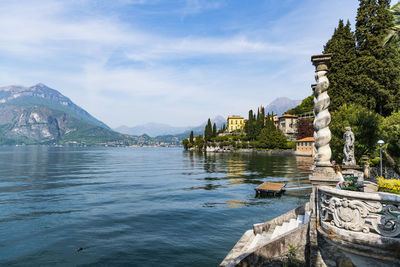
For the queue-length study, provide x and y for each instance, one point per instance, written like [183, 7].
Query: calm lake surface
[135, 206]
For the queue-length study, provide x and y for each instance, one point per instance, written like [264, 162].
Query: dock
[269, 188]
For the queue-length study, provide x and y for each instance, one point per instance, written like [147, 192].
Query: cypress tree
[379, 66]
[249, 127]
[343, 70]
[214, 130]
[208, 132]
[191, 137]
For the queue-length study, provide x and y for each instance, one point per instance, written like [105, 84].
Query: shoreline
[255, 151]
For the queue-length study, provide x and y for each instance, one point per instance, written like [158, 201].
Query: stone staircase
[279, 230]
[250, 241]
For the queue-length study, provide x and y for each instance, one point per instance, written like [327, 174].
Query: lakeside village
[259, 132]
[353, 215]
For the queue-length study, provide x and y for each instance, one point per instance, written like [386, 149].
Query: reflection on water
[254, 168]
[304, 164]
[125, 205]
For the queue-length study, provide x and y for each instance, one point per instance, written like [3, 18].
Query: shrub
[389, 185]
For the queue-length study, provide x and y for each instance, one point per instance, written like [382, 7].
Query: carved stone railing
[375, 213]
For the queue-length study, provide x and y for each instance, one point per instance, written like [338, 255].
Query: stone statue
[348, 150]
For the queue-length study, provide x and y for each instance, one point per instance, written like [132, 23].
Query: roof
[306, 139]
[288, 116]
[235, 117]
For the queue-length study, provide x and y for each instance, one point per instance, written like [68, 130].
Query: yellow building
[235, 123]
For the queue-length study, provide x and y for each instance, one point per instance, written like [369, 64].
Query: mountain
[42, 95]
[280, 105]
[159, 129]
[41, 115]
[151, 129]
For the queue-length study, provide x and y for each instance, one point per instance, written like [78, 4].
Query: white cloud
[124, 74]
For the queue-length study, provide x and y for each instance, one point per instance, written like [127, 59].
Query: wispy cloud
[117, 66]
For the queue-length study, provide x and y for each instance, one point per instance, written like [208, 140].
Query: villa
[235, 123]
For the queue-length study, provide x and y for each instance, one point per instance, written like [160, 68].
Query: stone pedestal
[353, 170]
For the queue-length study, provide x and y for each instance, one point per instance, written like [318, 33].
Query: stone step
[293, 223]
[276, 232]
[284, 229]
[307, 216]
[259, 241]
[300, 219]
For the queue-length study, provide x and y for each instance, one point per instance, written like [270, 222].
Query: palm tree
[394, 32]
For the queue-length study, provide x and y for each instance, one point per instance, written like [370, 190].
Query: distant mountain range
[159, 129]
[41, 115]
[167, 132]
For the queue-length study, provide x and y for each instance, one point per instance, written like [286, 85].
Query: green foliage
[199, 143]
[185, 143]
[378, 80]
[291, 145]
[307, 105]
[391, 134]
[342, 73]
[292, 256]
[191, 137]
[394, 31]
[365, 125]
[271, 139]
[214, 130]
[208, 131]
[249, 127]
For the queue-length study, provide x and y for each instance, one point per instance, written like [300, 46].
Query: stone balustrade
[377, 213]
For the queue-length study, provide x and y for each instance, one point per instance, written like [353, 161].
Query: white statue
[348, 150]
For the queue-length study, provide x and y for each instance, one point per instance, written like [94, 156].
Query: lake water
[135, 206]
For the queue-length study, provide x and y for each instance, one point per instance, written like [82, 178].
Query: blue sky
[130, 62]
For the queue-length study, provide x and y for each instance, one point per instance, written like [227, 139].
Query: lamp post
[380, 143]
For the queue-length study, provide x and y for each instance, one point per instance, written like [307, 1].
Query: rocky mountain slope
[280, 105]
[41, 115]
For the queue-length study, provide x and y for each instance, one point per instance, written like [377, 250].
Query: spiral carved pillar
[322, 134]
[323, 173]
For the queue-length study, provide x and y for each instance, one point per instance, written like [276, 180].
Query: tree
[208, 132]
[342, 73]
[249, 127]
[271, 138]
[307, 105]
[214, 130]
[199, 143]
[378, 66]
[394, 31]
[259, 123]
[391, 134]
[305, 128]
[185, 143]
[191, 137]
[365, 125]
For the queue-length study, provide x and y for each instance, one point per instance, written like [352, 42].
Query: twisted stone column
[322, 134]
[323, 173]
